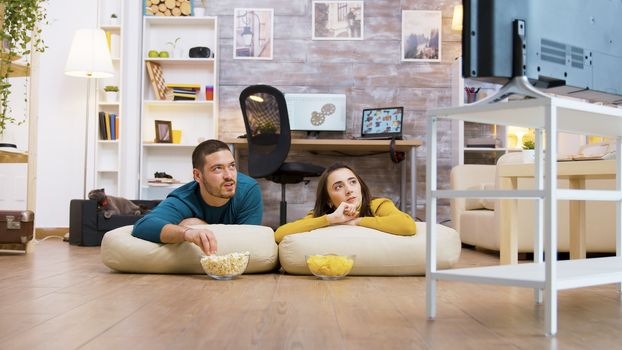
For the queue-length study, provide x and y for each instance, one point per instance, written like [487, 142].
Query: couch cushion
[480, 203]
[125, 253]
[377, 253]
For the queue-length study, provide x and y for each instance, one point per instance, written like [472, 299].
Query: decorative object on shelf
[337, 20]
[209, 93]
[200, 52]
[176, 136]
[253, 33]
[168, 8]
[20, 37]
[200, 11]
[421, 36]
[113, 20]
[112, 93]
[163, 131]
[163, 54]
[156, 75]
[176, 49]
[471, 94]
[89, 58]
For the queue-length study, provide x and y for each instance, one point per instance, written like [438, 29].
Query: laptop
[382, 123]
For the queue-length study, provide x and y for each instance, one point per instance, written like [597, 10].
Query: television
[316, 112]
[573, 47]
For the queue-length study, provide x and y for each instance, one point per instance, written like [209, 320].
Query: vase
[199, 11]
[529, 155]
[112, 96]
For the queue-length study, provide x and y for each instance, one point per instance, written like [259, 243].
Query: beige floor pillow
[377, 253]
[125, 253]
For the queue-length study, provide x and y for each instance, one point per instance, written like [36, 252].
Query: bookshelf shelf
[197, 119]
[108, 118]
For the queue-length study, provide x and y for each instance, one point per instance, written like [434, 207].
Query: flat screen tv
[573, 47]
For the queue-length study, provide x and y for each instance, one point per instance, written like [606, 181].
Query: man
[218, 195]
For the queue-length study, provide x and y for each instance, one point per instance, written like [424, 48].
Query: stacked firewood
[168, 7]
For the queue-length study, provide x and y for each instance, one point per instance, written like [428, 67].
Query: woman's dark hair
[204, 149]
[322, 199]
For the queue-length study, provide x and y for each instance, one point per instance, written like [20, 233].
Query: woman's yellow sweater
[387, 218]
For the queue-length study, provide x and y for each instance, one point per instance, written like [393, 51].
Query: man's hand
[202, 237]
[343, 214]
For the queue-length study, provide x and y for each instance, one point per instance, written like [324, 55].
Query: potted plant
[112, 93]
[114, 20]
[529, 153]
[20, 36]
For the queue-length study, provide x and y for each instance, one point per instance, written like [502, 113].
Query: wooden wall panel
[369, 72]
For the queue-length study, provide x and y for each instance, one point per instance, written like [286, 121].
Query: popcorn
[225, 265]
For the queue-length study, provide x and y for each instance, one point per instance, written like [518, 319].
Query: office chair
[269, 139]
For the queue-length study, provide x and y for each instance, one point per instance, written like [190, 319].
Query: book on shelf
[108, 126]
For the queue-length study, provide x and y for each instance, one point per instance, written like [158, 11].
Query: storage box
[16, 226]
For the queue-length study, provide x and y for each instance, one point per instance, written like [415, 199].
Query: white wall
[62, 103]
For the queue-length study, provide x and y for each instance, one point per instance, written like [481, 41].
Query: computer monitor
[572, 46]
[316, 112]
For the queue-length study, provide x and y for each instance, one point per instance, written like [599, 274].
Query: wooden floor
[62, 297]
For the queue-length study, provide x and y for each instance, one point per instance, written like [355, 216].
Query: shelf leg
[431, 219]
[538, 256]
[550, 221]
[619, 205]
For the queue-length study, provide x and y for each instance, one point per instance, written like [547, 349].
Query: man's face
[217, 178]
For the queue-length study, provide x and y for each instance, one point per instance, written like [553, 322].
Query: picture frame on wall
[253, 34]
[421, 36]
[163, 131]
[337, 20]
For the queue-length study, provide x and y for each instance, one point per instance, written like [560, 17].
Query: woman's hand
[343, 214]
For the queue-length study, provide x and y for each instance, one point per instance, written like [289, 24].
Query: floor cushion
[377, 253]
[125, 253]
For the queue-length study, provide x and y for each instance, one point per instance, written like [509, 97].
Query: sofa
[478, 224]
[87, 225]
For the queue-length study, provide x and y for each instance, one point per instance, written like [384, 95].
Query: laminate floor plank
[63, 297]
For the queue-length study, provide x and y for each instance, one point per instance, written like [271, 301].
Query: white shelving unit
[107, 172]
[549, 115]
[461, 132]
[197, 120]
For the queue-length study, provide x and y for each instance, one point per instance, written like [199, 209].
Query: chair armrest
[463, 177]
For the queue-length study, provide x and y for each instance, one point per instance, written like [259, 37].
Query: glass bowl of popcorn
[225, 267]
[330, 266]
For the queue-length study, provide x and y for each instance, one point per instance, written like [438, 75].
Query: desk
[345, 145]
[576, 172]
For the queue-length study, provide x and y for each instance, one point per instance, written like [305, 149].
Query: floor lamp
[89, 57]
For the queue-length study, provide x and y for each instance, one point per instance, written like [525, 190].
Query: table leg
[413, 182]
[508, 249]
[577, 222]
[402, 186]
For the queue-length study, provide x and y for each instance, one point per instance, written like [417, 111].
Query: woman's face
[343, 186]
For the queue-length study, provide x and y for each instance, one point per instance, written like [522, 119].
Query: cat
[111, 205]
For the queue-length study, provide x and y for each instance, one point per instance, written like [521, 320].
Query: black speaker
[200, 52]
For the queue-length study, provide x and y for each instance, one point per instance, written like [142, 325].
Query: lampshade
[456, 20]
[89, 55]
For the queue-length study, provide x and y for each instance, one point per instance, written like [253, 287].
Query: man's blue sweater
[245, 207]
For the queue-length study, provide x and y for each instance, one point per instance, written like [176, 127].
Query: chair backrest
[267, 129]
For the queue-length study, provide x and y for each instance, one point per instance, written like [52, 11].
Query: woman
[343, 198]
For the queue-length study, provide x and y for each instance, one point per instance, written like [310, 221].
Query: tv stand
[547, 277]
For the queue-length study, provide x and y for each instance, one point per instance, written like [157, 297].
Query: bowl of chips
[225, 267]
[330, 266]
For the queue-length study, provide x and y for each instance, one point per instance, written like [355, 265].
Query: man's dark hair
[204, 149]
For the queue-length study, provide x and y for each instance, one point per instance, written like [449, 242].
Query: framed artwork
[163, 131]
[253, 33]
[337, 20]
[421, 36]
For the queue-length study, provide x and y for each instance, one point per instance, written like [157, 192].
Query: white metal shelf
[548, 115]
[570, 274]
